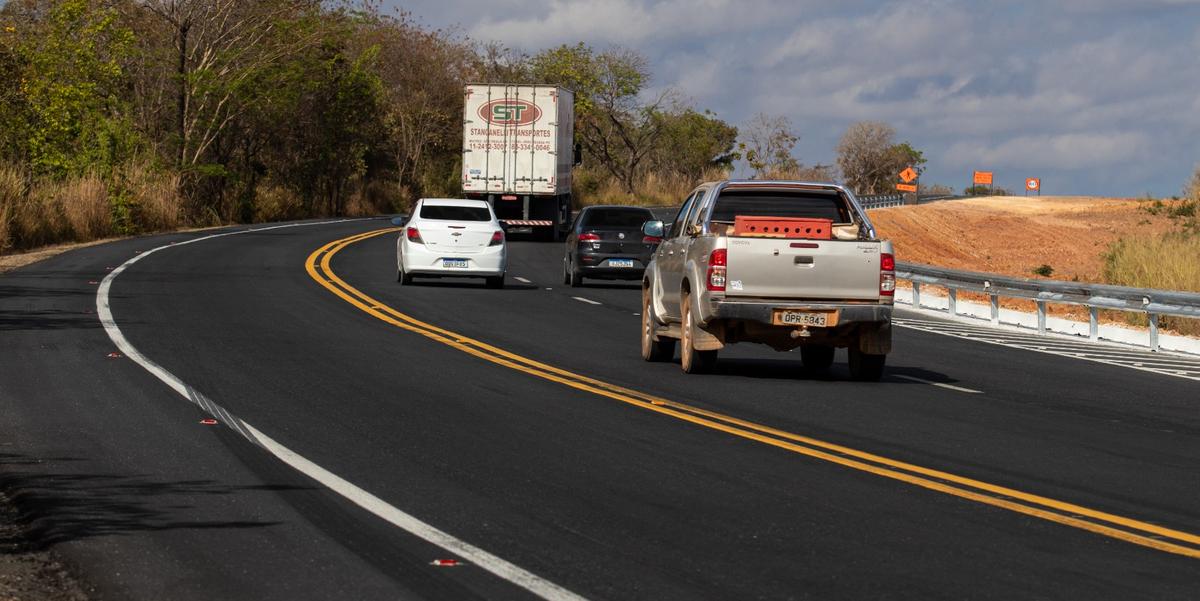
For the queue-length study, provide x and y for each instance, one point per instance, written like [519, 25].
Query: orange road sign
[983, 177]
[906, 187]
[1033, 184]
[908, 175]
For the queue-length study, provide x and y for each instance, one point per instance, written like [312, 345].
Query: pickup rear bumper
[762, 311]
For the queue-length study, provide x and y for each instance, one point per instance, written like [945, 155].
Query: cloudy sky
[1093, 96]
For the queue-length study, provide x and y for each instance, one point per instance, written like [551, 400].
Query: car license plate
[813, 319]
[454, 263]
[620, 262]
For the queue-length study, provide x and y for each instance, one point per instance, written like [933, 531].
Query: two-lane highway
[522, 425]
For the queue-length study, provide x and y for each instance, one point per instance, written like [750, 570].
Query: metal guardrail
[880, 201]
[1093, 296]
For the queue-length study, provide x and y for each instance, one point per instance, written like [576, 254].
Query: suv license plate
[620, 262]
[454, 263]
[803, 318]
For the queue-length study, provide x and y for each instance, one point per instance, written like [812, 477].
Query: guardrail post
[1153, 331]
[995, 309]
[1041, 305]
[952, 296]
[1093, 323]
[916, 295]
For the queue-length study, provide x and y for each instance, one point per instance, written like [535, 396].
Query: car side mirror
[654, 229]
[400, 220]
[577, 156]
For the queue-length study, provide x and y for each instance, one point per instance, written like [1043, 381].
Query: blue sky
[1095, 97]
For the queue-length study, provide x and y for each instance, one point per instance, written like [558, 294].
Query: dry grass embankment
[1106, 240]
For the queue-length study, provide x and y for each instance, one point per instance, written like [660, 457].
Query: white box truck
[518, 151]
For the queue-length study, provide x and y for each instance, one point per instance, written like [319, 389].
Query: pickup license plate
[620, 262]
[454, 263]
[813, 319]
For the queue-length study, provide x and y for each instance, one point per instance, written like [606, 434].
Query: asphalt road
[522, 423]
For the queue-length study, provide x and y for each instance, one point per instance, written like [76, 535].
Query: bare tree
[866, 158]
[767, 145]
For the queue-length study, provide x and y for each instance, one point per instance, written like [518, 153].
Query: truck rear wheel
[865, 367]
[662, 349]
[691, 360]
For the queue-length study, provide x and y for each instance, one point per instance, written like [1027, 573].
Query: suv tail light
[413, 235]
[497, 238]
[651, 240]
[716, 270]
[589, 238]
[887, 274]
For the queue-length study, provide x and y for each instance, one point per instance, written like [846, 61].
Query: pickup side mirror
[654, 229]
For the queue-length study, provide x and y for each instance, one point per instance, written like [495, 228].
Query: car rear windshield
[456, 213]
[775, 203]
[623, 218]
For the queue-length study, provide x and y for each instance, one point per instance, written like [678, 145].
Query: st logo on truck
[510, 112]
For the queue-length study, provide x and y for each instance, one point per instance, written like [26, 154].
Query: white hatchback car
[452, 238]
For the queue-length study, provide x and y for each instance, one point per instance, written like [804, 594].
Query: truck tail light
[887, 274]
[589, 238]
[497, 238]
[413, 235]
[716, 270]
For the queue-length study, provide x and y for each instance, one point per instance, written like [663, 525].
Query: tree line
[121, 116]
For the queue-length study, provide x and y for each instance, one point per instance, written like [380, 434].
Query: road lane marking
[522, 280]
[938, 384]
[1136, 531]
[585, 300]
[360, 497]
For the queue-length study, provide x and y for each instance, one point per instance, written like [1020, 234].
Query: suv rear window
[456, 213]
[630, 218]
[775, 203]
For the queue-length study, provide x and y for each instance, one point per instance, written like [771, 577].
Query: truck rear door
[791, 267]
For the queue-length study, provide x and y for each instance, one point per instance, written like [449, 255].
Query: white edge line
[938, 384]
[585, 300]
[1055, 353]
[380, 508]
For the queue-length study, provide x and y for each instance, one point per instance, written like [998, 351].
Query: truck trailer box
[518, 140]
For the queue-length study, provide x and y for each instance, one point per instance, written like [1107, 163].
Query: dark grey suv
[606, 242]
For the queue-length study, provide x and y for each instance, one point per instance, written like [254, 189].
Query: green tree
[693, 142]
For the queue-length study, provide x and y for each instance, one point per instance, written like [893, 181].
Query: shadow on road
[60, 507]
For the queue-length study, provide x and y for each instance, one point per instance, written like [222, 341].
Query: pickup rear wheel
[691, 360]
[662, 349]
[865, 367]
[817, 358]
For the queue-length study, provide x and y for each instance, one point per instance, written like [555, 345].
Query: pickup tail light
[589, 238]
[887, 274]
[651, 240]
[716, 270]
[497, 238]
[413, 235]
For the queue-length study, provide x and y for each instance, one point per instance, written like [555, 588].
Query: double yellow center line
[1061, 512]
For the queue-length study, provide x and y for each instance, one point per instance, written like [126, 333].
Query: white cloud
[1055, 151]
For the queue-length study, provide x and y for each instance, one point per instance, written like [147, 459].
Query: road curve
[522, 423]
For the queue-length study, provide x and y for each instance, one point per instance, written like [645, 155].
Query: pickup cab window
[694, 212]
[677, 225]
[778, 203]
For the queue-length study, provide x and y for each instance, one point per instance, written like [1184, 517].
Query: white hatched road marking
[491, 563]
[585, 300]
[939, 384]
[1179, 366]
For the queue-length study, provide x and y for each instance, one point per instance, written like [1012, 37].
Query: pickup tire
[865, 367]
[691, 360]
[662, 349]
[817, 358]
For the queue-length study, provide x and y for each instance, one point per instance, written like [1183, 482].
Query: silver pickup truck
[782, 263]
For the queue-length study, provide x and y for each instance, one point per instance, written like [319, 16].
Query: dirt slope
[1013, 235]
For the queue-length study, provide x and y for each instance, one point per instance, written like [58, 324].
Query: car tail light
[651, 240]
[497, 238]
[716, 270]
[413, 235]
[589, 238]
[887, 275]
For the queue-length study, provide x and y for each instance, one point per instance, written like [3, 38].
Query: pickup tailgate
[785, 268]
